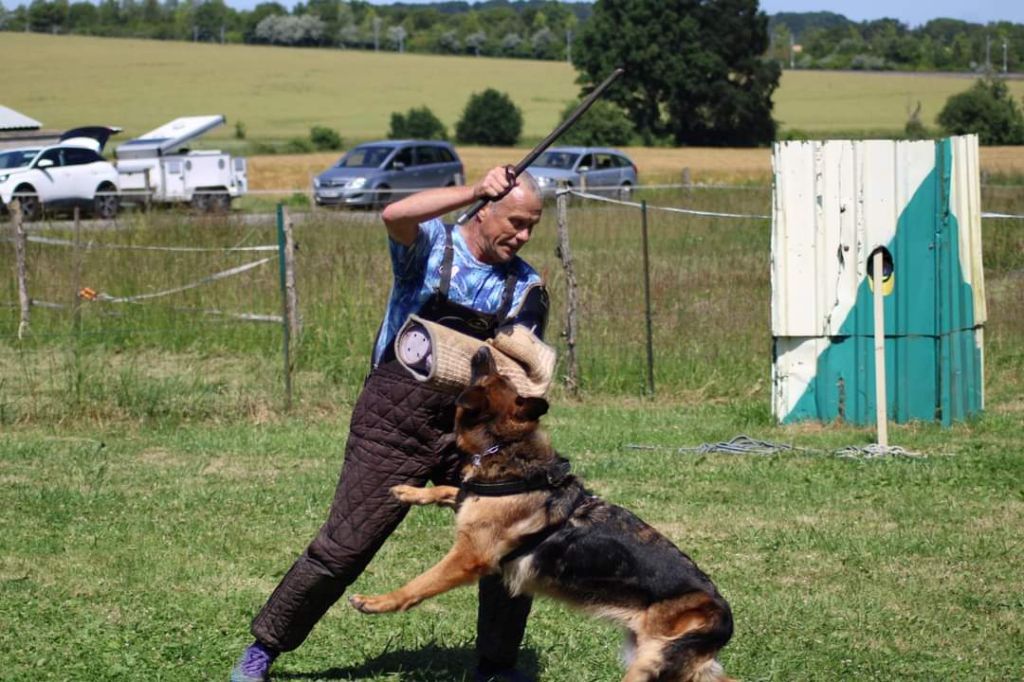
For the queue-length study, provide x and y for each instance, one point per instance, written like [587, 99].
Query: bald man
[471, 279]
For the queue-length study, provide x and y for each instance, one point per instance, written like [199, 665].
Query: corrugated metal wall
[834, 204]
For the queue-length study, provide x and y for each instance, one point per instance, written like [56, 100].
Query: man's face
[507, 225]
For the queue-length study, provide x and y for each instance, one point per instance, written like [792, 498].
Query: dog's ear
[473, 399]
[531, 409]
[482, 365]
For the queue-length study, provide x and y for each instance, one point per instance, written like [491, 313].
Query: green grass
[279, 93]
[135, 553]
[152, 492]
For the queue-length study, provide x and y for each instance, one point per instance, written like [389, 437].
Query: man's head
[501, 228]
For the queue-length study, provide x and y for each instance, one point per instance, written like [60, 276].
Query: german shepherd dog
[522, 515]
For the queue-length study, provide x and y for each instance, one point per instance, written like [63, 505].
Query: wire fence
[129, 315]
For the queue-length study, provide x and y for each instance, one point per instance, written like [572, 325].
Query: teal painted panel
[844, 386]
[961, 390]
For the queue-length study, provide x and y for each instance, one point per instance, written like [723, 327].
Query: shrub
[239, 130]
[419, 123]
[604, 125]
[324, 139]
[987, 109]
[490, 118]
[298, 145]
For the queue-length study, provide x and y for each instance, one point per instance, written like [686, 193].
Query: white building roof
[13, 120]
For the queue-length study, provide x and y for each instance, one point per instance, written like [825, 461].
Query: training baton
[518, 169]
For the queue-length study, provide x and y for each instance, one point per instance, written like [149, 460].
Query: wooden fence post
[565, 255]
[76, 301]
[285, 314]
[25, 303]
[291, 292]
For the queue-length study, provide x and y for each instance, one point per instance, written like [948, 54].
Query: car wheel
[31, 207]
[200, 202]
[106, 203]
[383, 197]
[218, 203]
[625, 192]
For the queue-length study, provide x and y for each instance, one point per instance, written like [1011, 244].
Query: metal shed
[834, 204]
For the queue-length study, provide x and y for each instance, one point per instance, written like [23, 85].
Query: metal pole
[285, 332]
[647, 300]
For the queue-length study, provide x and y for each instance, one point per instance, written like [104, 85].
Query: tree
[490, 118]
[604, 125]
[324, 138]
[987, 109]
[419, 123]
[694, 70]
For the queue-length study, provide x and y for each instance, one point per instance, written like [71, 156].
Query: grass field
[279, 93]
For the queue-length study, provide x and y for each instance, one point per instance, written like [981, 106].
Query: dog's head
[490, 410]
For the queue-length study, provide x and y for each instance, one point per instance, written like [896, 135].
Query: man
[468, 278]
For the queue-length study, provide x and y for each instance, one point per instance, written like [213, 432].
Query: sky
[911, 12]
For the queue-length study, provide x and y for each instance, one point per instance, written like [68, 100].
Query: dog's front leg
[443, 495]
[461, 566]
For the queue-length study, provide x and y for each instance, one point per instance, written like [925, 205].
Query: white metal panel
[169, 136]
[835, 202]
[965, 205]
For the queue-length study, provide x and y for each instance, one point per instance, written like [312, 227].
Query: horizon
[910, 12]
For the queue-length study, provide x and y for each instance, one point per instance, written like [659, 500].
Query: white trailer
[158, 167]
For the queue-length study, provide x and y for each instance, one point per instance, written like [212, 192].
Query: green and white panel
[834, 204]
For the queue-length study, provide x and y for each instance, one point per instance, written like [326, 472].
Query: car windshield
[563, 160]
[365, 157]
[17, 158]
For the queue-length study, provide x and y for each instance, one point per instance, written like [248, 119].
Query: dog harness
[553, 477]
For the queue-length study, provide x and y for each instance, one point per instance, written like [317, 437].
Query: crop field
[278, 93]
[154, 490]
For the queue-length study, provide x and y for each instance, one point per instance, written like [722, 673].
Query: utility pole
[1004, 55]
[792, 54]
[568, 46]
[988, 54]
[376, 34]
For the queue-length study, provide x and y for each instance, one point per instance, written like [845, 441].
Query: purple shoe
[254, 665]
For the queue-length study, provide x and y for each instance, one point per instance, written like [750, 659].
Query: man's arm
[403, 218]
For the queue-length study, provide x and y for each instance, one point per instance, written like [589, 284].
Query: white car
[67, 174]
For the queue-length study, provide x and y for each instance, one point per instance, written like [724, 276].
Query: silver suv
[67, 174]
[600, 169]
[375, 173]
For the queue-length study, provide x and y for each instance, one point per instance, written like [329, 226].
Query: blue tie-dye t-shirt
[417, 271]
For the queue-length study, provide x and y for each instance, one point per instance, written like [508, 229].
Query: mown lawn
[142, 553]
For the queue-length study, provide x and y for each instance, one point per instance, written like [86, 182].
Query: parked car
[599, 169]
[374, 173]
[64, 175]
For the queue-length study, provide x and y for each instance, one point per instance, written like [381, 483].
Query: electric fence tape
[50, 241]
[107, 298]
[668, 209]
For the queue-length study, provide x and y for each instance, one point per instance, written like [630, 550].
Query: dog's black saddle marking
[554, 477]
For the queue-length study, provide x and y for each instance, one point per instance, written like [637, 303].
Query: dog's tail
[691, 658]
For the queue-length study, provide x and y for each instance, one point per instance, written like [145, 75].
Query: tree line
[537, 29]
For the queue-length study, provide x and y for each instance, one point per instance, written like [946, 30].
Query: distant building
[18, 130]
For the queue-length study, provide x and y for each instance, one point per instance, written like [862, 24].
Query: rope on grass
[50, 241]
[667, 209]
[745, 445]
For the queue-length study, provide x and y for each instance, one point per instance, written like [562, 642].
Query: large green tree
[694, 68]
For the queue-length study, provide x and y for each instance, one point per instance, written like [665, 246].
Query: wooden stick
[565, 255]
[25, 303]
[881, 411]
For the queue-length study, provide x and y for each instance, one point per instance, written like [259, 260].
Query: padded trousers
[401, 432]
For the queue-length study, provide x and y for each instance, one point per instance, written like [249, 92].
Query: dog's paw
[407, 494]
[378, 604]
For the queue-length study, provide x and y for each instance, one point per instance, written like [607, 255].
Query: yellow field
[280, 92]
[655, 165]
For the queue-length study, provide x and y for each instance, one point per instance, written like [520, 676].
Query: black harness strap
[552, 478]
[446, 262]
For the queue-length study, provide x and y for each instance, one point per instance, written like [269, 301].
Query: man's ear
[473, 399]
[531, 409]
